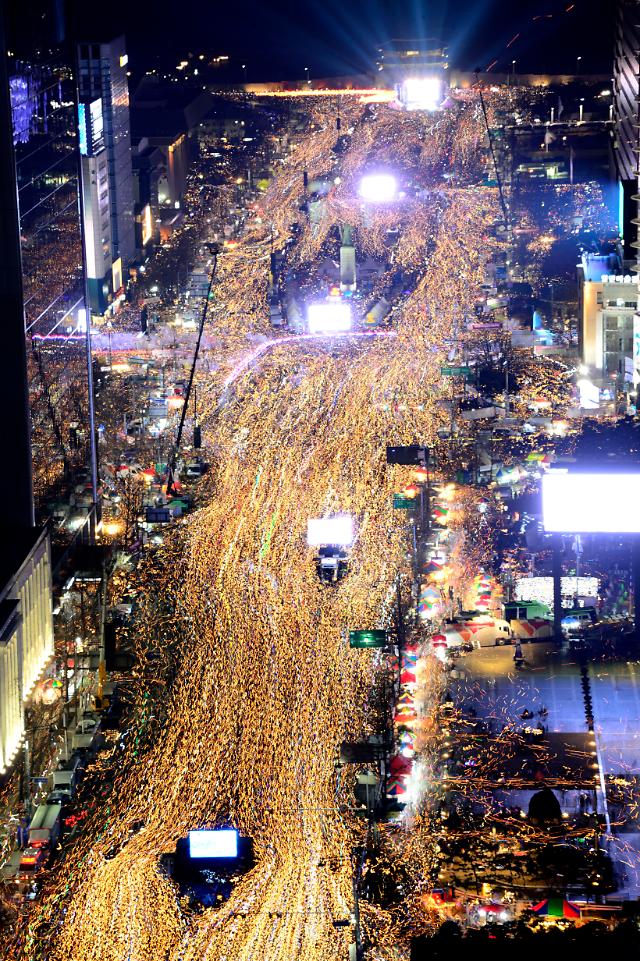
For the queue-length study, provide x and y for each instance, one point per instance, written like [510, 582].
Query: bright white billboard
[331, 317]
[334, 531]
[213, 844]
[422, 93]
[591, 503]
[378, 188]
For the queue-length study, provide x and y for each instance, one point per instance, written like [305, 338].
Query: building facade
[102, 75]
[626, 132]
[608, 303]
[43, 154]
[96, 205]
[26, 632]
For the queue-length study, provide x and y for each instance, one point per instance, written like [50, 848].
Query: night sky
[278, 39]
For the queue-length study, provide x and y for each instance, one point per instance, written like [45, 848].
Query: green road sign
[400, 502]
[367, 638]
[455, 371]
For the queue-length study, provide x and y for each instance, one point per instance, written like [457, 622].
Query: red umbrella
[407, 677]
[400, 765]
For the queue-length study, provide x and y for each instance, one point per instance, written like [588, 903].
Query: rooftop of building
[595, 266]
[17, 544]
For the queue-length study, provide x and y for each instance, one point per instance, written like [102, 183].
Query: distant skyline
[277, 40]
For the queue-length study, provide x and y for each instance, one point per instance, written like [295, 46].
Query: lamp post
[307, 78]
[513, 70]
[578, 59]
[244, 71]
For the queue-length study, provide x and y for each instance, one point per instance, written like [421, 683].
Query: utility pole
[174, 453]
[557, 586]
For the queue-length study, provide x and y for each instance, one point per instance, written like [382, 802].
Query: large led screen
[213, 844]
[591, 503]
[334, 531]
[331, 317]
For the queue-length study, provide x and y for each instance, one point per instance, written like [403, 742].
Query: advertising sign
[222, 843]
[591, 503]
[333, 531]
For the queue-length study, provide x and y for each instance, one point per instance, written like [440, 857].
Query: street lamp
[513, 70]
[306, 70]
[244, 69]
[578, 59]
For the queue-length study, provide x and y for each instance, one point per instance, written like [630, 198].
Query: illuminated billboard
[331, 317]
[378, 188]
[116, 274]
[90, 128]
[421, 93]
[333, 531]
[147, 225]
[222, 843]
[591, 503]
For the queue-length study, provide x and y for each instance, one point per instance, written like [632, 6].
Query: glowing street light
[378, 188]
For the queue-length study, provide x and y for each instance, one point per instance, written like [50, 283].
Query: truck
[485, 630]
[44, 829]
[529, 620]
[86, 733]
[67, 775]
[481, 631]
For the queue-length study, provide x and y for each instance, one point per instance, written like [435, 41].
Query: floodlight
[330, 317]
[422, 93]
[378, 188]
[222, 843]
[333, 531]
[591, 503]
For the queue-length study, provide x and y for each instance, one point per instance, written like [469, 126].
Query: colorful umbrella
[556, 908]
[405, 715]
[395, 787]
[407, 677]
[400, 765]
[405, 700]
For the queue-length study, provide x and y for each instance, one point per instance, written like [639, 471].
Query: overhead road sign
[456, 371]
[365, 639]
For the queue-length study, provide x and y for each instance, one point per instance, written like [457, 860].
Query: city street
[326, 406]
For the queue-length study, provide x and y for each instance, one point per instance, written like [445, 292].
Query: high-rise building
[96, 205]
[30, 212]
[102, 76]
[626, 132]
[48, 263]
